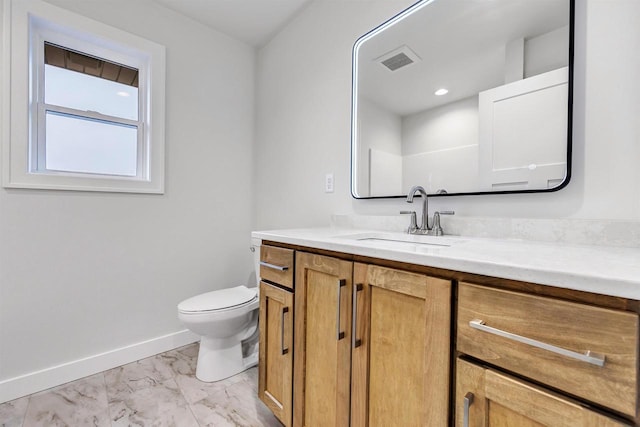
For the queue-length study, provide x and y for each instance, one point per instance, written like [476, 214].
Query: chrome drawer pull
[275, 267]
[468, 401]
[589, 357]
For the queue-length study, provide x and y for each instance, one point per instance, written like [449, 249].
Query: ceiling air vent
[398, 58]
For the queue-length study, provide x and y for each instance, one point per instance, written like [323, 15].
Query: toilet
[227, 322]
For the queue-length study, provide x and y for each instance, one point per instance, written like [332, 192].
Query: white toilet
[227, 321]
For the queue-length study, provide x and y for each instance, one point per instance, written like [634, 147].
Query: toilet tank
[255, 248]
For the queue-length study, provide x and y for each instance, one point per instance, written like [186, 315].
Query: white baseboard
[33, 382]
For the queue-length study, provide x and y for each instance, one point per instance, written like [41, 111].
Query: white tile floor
[158, 391]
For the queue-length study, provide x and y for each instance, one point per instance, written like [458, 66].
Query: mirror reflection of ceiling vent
[398, 58]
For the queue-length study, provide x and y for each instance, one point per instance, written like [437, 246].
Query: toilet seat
[220, 300]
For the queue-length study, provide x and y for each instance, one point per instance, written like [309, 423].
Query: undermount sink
[413, 239]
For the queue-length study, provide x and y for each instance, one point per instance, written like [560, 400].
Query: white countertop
[613, 271]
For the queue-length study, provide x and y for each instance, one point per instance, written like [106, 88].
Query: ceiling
[254, 22]
[458, 44]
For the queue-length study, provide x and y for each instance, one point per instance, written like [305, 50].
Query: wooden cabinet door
[498, 400]
[401, 348]
[275, 382]
[322, 341]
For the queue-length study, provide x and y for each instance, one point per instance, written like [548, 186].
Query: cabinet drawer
[485, 397]
[587, 351]
[276, 265]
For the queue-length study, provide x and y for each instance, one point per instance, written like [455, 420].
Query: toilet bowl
[227, 322]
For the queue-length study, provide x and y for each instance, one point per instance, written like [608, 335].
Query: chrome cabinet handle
[588, 357]
[468, 401]
[273, 266]
[339, 334]
[354, 313]
[282, 349]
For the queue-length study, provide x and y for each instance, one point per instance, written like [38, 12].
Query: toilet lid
[216, 300]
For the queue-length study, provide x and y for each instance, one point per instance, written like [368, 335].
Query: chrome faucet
[436, 229]
[424, 225]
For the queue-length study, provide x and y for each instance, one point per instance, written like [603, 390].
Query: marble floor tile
[182, 361]
[12, 413]
[79, 403]
[250, 376]
[195, 390]
[158, 391]
[230, 402]
[244, 396]
[160, 405]
[137, 375]
[236, 406]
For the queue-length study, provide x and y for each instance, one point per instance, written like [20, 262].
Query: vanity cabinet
[275, 378]
[385, 343]
[322, 340]
[275, 386]
[576, 349]
[401, 341]
[371, 345]
[486, 397]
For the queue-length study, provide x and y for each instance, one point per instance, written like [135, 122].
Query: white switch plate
[328, 183]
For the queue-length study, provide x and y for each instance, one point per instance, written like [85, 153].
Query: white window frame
[28, 24]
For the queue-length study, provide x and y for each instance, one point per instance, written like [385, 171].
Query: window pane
[77, 144]
[83, 92]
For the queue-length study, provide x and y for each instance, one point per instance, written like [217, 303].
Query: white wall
[449, 126]
[428, 146]
[546, 52]
[381, 130]
[303, 98]
[303, 112]
[85, 273]
[433, 143]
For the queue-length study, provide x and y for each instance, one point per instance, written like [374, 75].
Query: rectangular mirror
[464, 97]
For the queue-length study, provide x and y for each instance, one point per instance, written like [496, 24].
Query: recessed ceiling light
[441, 92]
[123, 93]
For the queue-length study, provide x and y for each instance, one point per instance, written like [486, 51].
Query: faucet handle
[413, 226]
[437, 228]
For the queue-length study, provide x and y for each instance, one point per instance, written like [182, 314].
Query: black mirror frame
[567, 178]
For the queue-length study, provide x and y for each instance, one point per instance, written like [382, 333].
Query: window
[95, 105]
[89, 110]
